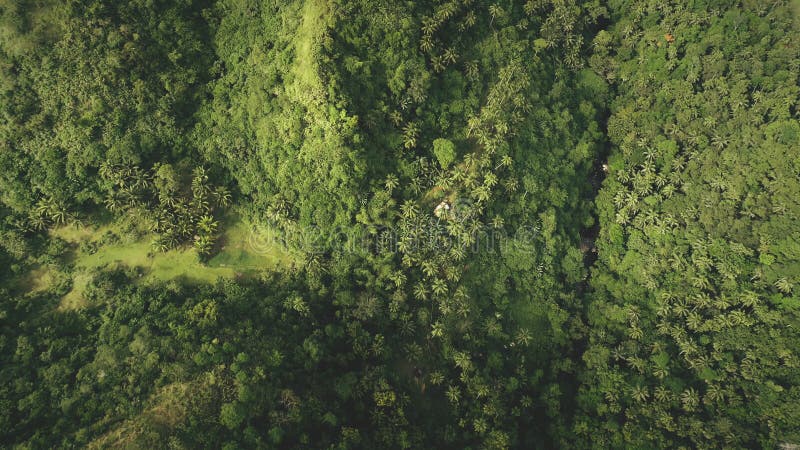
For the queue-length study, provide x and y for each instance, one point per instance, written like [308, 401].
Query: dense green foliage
[551, 223]
[695, 315]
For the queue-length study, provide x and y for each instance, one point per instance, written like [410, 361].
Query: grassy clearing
[74, 298]
[314, 21]
[243, 249]
[166, 409]
[247, 247]
[76, 234]
[37, 280]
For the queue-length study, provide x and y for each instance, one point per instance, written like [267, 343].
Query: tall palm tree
[481, 193]
[206, 224]
[38, 222]
[391, 183]
[222, 196]
[113, 201]
[203, 244]
[439, 287]
[59, 214]
[421, 291]
[495, 11]
[410, 134]
[505, 161]
[490, 180]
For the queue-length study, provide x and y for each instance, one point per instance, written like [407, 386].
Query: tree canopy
[375, 224]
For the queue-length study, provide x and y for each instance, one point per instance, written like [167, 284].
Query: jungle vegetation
[375, 224]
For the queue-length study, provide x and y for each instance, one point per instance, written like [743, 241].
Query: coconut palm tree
[222, 196]
[207, 224]
[421, 291]
[203, 244]
[505, 161]
[391, 183]
[114, 201]
[439, 287]
[410, 134]
[498, 222]
[495, 11]
[640, 393]
[429, 268]
[37, 222]
[481, 193]
[450, 55]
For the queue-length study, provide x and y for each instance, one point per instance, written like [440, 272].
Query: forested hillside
[375, 224]
[694, 315]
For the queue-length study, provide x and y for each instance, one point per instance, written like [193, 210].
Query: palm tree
[450, 55]
[471, 69]
[113, 201]
[172, 239]
[505, 161]
[640, 394]
[429, 26]
[44, 207]
[689, 399]
[714, 394]
[107, 171]
[426, 45]
[490, 180]
[38, 222]
[452, 273]
[200, 204]
[410, 134]
[421, 291]
[511, 185]
[481, 193]
[160, 244]
[139, 178]
[438, 63]
[784, 285]
[200, 186]
[457, 253]
[437, 330]
[662, 394]
[59, 214]
[429, 268]
[406, 326]
[183, 227]
[203, 244]
[497, 222]
[409, 209]
[453, 394]
[399, 278]
[495, 11]
[207, 225]
[523, 337]
[391, 183]
[439, 287]
[166, 199]
[222, 196]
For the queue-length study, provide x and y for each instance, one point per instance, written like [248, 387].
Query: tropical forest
[397, 224]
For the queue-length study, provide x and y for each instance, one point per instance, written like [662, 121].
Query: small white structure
[441, 209]
[605, 168]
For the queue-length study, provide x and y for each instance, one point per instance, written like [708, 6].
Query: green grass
[76, 234]
[36, 280]
[248, 247]
[74, 298]
[244, 249]
[178, 263]
[315, 15]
